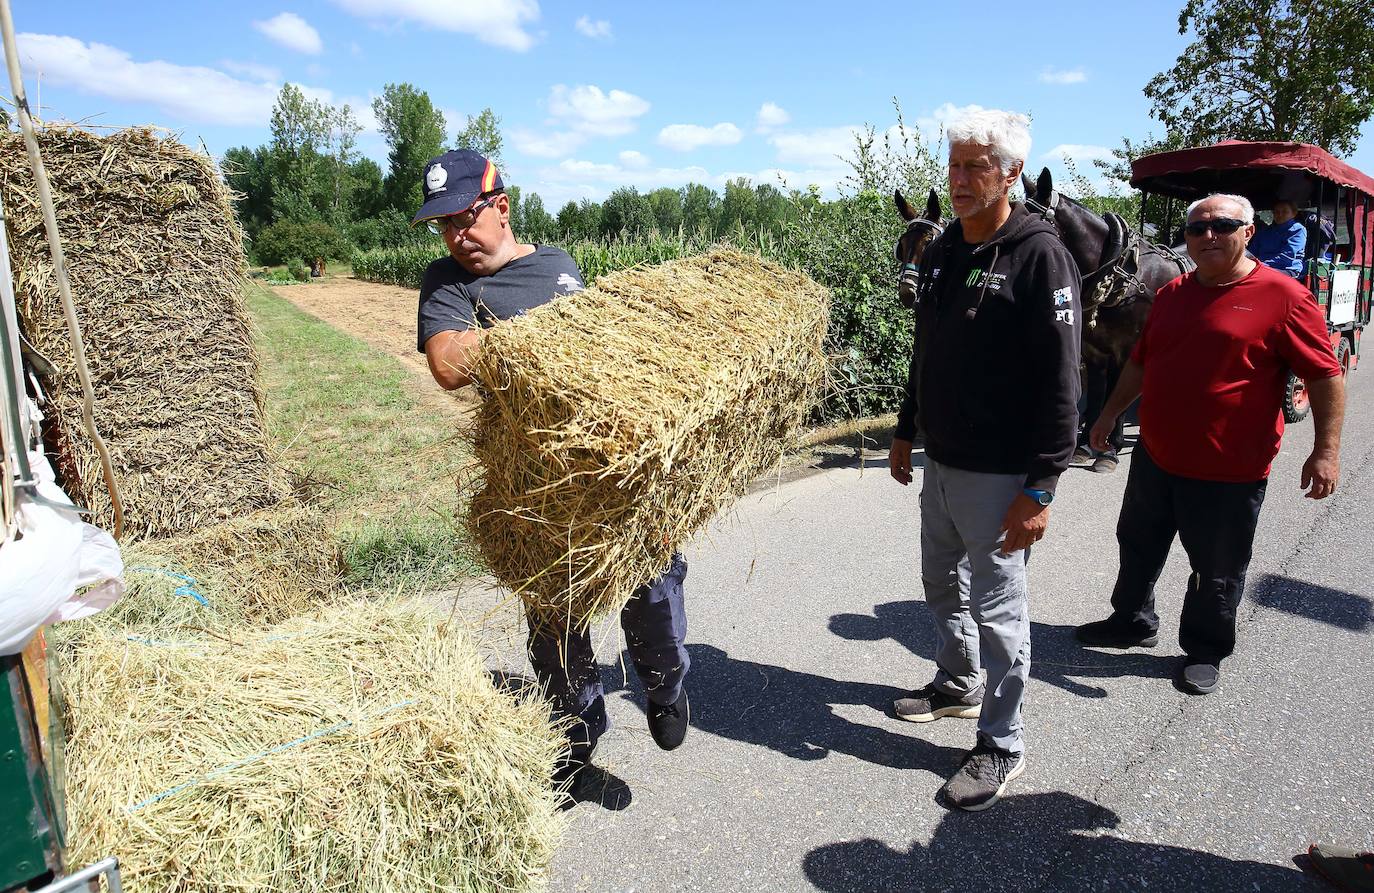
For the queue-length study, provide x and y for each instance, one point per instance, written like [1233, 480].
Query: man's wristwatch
[1044, 497]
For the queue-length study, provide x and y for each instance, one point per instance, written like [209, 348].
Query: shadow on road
[793, 713]
[1033, 841]
[1346, 610]
[1056, 657]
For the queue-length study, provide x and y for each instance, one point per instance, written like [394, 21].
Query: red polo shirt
[1216, 362]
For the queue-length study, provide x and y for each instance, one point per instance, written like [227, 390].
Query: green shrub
[389, 229]
[287, 241]
[299, 271]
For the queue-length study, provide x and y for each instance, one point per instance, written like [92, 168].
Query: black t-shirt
[452, 299]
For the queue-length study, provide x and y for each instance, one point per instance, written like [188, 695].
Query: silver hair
[1247, 210]
[1006, 134]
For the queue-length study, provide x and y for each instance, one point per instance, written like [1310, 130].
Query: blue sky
[594, 95]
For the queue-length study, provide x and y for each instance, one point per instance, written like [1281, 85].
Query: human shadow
[850, 459]
[1056, 657]
[1347, 610]
[1044, 841]
[793, 713]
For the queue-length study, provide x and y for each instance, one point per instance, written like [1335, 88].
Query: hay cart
[1318, 183]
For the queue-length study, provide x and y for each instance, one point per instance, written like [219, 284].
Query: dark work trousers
[1098, 384]
[655, 626]
[1215, 521]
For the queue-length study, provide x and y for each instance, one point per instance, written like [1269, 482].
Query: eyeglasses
[465, 220]
[1222, 226]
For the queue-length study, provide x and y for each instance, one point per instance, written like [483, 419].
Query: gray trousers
[655, 626]
[976, 594]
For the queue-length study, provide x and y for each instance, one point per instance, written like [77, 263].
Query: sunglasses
[1222, 226]
[438, 225]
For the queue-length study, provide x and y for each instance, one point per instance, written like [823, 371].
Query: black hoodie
[994, 375]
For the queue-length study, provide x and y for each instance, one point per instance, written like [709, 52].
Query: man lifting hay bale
[617, 421]
[488, 277]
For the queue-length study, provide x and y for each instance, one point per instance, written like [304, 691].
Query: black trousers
[1215, 521]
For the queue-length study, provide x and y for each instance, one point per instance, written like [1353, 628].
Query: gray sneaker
[983, 778]
[929, 704]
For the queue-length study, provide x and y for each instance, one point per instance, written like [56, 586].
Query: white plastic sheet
[59, 567]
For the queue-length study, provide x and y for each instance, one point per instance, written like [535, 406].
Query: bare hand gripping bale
[617, 421]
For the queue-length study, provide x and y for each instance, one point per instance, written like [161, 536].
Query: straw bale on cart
[156, 263]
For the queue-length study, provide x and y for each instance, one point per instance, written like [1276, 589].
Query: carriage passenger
[1283, 244]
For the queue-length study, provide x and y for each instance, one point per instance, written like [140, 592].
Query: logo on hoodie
[1062, 296]
[980, 278]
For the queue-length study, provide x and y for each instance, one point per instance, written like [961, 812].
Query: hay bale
[241, 575]
[619, 420]
[155, 258]
[361, 748]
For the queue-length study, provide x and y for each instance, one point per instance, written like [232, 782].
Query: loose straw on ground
[619, 420]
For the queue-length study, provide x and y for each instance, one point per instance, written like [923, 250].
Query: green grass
[363, 439]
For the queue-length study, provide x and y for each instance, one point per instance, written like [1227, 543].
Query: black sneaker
[1199, 677]
[579, 781]
[983, 778]
[929, 704]
[668, 725]
[1111, 634]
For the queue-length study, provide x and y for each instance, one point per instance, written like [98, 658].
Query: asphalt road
[806, 620]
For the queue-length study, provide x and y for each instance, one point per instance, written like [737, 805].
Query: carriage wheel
[1296, 403]
[1343, 355]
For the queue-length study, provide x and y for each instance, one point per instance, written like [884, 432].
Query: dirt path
[381, 316]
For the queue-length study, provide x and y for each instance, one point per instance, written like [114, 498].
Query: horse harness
[1116, 282]
[911, 272]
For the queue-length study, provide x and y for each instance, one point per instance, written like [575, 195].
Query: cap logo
[436, 177]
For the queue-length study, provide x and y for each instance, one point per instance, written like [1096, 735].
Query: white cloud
[634, 160]
[1079, 153]
[190, 93]
[586, 109]
[932, 126]
[1063, 76]
[252, 70]
[686, 137]
[824, 147]
[293, 32]
[498, 22]
[545, 144]
[771, 116]
[598, 30]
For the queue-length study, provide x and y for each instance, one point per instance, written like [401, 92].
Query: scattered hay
[362, 748]
[620, 419]
[155, 258]
[243, 574]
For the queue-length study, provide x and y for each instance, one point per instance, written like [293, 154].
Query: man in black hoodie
[993, 389]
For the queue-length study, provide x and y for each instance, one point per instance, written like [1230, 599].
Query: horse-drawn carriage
[1341, 281]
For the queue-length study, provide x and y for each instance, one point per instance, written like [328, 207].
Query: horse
[1121, 271]
[920, 231]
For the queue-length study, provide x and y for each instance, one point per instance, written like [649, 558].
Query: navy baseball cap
[454, 181]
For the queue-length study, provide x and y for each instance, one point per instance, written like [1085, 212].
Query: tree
[300, 129]
[341, 141]
[626, 213]
[666, 203]
[1270, 70]
[700, 205]
[739, 208]
[483, 136]
[368, 198]
[249, 174]
[414, 131]
[536, 225]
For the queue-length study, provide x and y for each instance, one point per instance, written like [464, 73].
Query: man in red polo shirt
[1210, 369]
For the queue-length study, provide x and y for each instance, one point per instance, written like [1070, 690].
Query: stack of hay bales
[155, 259]
[619, 420]
[363, 747]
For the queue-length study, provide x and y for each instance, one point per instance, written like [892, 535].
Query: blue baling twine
[186, 590]
[238, 764]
